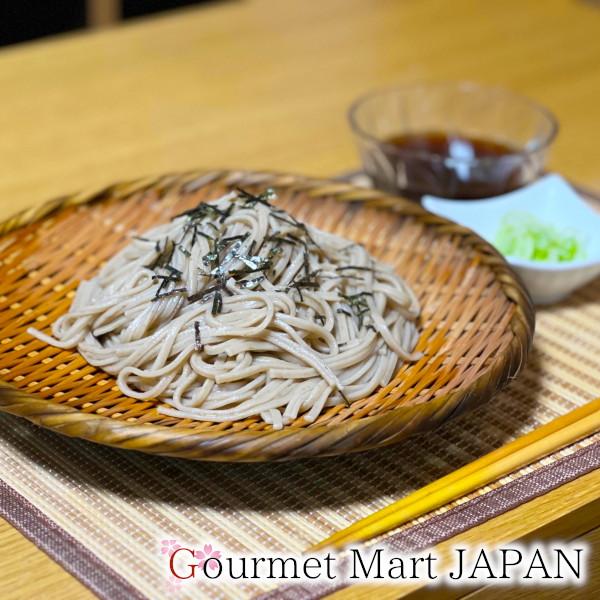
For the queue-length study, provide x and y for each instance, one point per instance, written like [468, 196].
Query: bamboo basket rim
[290, 442]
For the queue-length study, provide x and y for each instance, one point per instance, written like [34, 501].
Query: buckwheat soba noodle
[236, 309]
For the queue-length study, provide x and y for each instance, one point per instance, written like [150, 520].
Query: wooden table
[265, 84]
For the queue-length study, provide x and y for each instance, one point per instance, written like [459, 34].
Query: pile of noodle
[234, 309]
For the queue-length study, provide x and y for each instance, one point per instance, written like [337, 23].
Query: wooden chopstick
[560, 432]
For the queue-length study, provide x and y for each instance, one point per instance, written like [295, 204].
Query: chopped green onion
[522, 235]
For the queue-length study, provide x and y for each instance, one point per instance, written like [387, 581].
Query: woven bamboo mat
[103, 512]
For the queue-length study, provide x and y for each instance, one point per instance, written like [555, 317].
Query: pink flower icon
[205, 556]
[168, 547]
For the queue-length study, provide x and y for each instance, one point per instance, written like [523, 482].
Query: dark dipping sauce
[452, 166]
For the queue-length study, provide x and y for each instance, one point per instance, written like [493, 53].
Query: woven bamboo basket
[476, 325]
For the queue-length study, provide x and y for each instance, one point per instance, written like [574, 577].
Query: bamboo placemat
[102, 512]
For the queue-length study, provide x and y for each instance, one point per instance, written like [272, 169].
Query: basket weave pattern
[476, 323]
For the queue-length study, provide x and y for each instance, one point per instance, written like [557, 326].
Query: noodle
[234, 309]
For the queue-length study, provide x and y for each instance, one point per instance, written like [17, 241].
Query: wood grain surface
[265, 83]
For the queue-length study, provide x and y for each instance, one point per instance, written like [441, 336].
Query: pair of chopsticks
[542, 441]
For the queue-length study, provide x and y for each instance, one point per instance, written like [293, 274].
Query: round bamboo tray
[476, 325]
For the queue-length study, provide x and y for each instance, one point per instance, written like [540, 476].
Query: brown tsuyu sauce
[453, 166]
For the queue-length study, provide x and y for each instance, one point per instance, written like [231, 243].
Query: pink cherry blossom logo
[205, 555]
[169, 547]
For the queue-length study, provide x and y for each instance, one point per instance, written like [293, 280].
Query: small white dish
[550, 199]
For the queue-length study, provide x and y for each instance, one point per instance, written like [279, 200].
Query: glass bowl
[455, 140]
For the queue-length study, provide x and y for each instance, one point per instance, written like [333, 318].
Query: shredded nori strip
[197, 340]
[175, 272]
[169, 293]
[202, 210]
[306, 263]
[346, 401]
[164, 256]
[355, 297]
[251, 283]
[297, 224]
[251, 200]
[358, 304]
[197, 233]
[304, 283]
[217, 303]
[203, 294]
[223, 242]
[210, 259]
[164, 281]
[283, 219]
[281, 239]
[346, 268]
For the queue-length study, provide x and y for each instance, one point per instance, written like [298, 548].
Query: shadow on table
[308, 484]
